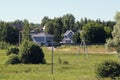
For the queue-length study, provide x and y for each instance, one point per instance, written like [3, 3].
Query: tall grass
[78, 67]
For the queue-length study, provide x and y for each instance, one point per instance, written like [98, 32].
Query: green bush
[31, 53]
[13, 59]
[108, 68]
[4, 45]
[65, 62]
[12, 50]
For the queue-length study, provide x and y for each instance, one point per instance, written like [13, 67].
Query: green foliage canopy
[108, 68]
[114, 42]
[13, 59]
[8, 33]
[26, 31]
[94, 33]
[31, 53]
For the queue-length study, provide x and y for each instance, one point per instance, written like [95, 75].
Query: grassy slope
[78, 68]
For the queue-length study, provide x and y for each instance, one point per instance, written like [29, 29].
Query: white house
[68, 37]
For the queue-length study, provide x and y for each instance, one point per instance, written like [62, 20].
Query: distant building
[68, 37]
[33, 32]
[42, 38]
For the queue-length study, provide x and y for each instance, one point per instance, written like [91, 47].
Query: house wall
[49, 39]
[70, 35]
[68, 38]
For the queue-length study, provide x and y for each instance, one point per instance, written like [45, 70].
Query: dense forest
[93, 31]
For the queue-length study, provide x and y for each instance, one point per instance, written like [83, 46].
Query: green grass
[79, 67]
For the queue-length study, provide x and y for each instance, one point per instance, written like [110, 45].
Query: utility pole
[52, 63]
[85, 48]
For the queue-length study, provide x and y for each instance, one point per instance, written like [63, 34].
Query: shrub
[108, 68]
[4, 45]
[31, 53]
[13, 59]
[13, 50]
[65, 62]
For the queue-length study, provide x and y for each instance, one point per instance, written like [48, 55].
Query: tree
[49, 27]
[8, 33]
[58, 30]
[77, 26]
[3, 31]
[94, 33]
[108, 31]
[26, 31]
[55, 27]
[76, 37]
[114, 42]
[31, 53]
[44, 21]
[12, 34]
[18, 24]
[68, 21]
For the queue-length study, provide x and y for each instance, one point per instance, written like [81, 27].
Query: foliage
[31, 53]
[8, 33]
[13, 59]
[115, 41]
[94, 33]
[77, 26]
[26, 31]
[44, 21]
[4, 45]
[58, 30]
[98, 31]
[12, 50]
[108, 68]
[49, 27]
[18, 24]
[108, 31]
[68, 22]
[76, 37]
[35, 26]
[55, 27]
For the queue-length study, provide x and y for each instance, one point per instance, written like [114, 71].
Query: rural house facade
[68, 37]
[42, 38]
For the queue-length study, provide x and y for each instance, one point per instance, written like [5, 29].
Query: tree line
[93, 31]
[11, 31]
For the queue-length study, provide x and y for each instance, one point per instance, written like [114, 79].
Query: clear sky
[35, 10]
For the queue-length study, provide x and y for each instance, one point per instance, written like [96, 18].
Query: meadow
[70, 63]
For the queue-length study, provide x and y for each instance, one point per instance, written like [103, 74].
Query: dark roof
[42, 34]
[67, 32]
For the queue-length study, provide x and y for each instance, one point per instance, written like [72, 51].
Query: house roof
[42, 34]
[68, 31]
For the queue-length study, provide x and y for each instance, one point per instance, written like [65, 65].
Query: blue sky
[35, 10]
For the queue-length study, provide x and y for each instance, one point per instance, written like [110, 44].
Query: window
[65, 36]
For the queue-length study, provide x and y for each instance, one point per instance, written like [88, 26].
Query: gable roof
[42, 34]
[68, 31]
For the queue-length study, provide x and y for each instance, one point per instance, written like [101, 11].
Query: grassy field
[69, 64]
